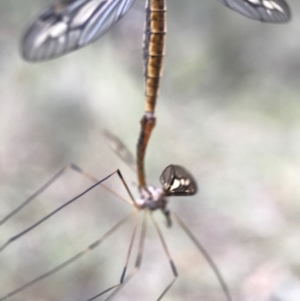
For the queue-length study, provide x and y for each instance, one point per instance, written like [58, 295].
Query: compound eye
[177, 181]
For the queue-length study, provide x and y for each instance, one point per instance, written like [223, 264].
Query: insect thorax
[153, 198]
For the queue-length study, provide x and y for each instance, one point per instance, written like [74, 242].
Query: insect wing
[177, 181]
[70, 24]
[120, 149]
[271, 11]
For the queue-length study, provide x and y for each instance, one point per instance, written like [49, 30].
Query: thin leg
[94, 179]
[129, 253]
[9, 241]
[138, 260]
[173, 267]
[72, 259]
[52, 180]
[32, 197]
[206, 255]
[124, 269]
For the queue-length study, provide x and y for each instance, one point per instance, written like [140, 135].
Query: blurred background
[229, 111]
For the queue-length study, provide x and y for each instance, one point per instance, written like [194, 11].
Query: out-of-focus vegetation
[229, 111]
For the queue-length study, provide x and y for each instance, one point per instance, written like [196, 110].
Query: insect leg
[206, 256]
[70, 166]
[12, 239]
[33, 196]
[94, 179]
[138, 260]
[173, 267]
[125, 267]
[72, 259]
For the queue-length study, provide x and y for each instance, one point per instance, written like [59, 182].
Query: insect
[175, 181]
[67, 25]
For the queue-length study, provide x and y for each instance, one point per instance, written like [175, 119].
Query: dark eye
[177, 181]
[272, 11]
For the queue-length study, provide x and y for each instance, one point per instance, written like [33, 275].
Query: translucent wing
[272, 11]
[177, 181]
[120, 149]
[70, 24]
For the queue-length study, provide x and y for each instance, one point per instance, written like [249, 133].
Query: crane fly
[175, 180]
[67, 25]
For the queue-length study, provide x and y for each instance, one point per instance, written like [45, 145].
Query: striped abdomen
[154, 49]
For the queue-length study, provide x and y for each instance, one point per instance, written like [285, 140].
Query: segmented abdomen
[154, 49]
